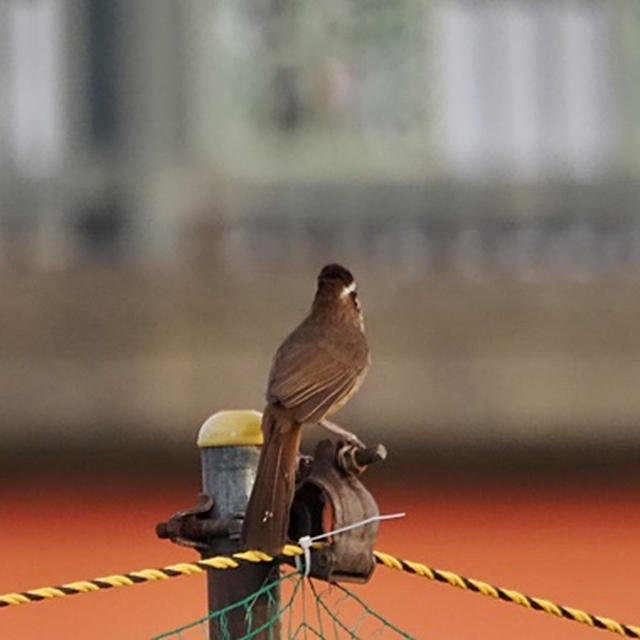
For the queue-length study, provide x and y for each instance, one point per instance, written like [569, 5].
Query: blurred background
[174, 174]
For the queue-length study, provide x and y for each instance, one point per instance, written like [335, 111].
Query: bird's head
[336, 284]
[337, 278]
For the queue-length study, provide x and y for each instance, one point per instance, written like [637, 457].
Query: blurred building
[463, 135]
[477, 163]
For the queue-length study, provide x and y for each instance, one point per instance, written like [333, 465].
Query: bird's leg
[349, 437]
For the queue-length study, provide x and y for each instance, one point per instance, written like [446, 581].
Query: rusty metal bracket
[330, 495]
[194, 527]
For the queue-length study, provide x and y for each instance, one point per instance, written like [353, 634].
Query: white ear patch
[348, 289]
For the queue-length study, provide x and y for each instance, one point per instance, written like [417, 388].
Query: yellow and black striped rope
[291, 551]
[144, 575]
[507, 595]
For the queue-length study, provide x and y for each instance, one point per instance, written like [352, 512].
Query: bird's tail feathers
[267, 517]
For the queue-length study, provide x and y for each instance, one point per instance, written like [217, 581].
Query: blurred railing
[197, 148]
[477, 137]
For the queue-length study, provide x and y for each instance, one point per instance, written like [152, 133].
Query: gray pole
[229, 448]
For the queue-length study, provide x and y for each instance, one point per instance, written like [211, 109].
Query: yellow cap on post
[231, 428]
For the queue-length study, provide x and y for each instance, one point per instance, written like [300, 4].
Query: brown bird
[315, 371]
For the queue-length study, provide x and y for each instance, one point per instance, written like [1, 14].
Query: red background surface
[577, 547]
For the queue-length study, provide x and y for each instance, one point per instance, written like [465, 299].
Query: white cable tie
[355, 525]
[306, 541]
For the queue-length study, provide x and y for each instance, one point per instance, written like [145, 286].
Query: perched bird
[315, 371]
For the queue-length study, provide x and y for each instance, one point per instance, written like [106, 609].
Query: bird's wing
[309, 380]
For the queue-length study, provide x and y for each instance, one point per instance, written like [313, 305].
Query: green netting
[306, 609]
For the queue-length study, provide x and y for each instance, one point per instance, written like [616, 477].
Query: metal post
[229, 444]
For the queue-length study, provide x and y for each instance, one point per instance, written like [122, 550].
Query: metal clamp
[330, 489]
[194, 527]
[328, 493]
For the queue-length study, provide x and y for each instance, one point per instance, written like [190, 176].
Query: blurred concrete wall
[172, 175]
[456, 362]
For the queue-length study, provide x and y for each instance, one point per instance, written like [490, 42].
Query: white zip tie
[306, 541]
